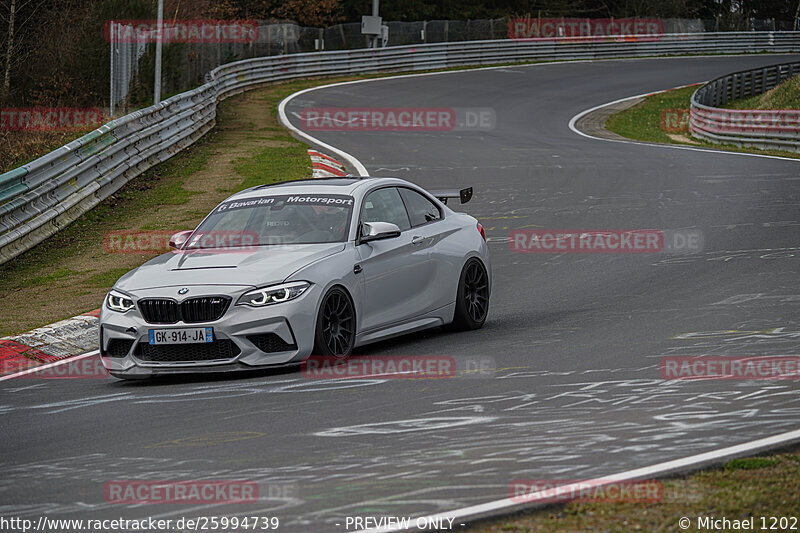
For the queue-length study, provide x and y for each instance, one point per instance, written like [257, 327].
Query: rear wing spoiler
[465, 195]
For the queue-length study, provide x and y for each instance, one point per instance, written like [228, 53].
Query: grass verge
[70, 273]
[664, 118]
[20, 147]
[764, 486]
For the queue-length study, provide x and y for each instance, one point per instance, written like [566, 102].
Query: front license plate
[181, 336]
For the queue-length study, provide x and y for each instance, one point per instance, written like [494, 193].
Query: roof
[337, 185]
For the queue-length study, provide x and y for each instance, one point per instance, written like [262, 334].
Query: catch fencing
[123, 67]
[186, 63]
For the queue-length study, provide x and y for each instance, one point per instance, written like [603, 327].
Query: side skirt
[437, 317]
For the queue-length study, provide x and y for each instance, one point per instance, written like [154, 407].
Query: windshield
[275, 220]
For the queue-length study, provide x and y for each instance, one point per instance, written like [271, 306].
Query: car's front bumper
[244, 337]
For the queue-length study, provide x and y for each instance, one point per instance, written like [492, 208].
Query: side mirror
[377, 231]
[179, 239]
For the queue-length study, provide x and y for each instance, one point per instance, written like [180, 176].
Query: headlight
[116, 301]
[274, 295]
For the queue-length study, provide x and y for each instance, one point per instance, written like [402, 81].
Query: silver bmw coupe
[276, 273]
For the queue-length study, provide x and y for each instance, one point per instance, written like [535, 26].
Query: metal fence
[765, 129]
[44, 196]
[187, 63]
[124, 66]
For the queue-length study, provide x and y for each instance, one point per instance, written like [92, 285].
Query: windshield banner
[330, 200]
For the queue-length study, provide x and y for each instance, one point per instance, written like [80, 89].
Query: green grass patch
[758, 486]
[106, 279]
[750, 463]
[45, 279]
[654, 120]
[150, 226]
[644, 120]
[784, 96]
[274, 164]
[166, 192]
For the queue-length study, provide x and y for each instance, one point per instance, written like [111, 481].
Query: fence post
[111, 68]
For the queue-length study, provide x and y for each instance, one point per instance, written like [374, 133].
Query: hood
[265, 266]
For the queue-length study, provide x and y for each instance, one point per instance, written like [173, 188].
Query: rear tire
[472, 297]
[335, 332]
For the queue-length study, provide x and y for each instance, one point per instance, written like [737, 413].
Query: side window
[420, 209]
[385, 205]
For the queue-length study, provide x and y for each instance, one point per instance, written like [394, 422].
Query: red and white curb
[49, 344]
[325, 166]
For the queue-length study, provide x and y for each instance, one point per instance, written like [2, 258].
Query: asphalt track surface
[574, 340]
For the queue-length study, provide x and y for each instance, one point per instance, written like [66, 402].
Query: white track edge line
[574, 120]
[355, 163]
[629, 475]
[50, 365]
[361, 169]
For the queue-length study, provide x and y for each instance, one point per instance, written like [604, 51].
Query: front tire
[335, 332]
[472, 298]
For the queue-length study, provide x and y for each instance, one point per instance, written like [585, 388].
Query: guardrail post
[743, 86]
[724, 96]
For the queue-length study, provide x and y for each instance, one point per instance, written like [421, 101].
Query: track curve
[576, 338]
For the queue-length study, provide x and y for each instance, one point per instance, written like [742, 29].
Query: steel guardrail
[764, 129]
[47, 194]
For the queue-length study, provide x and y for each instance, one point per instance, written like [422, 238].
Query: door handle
[417, 239]
[357, 269]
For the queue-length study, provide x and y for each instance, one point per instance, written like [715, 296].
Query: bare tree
[9, 47]
[19, 13]
[796, 16]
